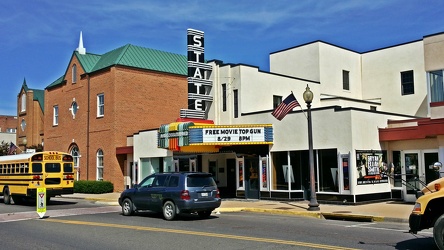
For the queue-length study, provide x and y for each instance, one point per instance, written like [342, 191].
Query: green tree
[4, 148]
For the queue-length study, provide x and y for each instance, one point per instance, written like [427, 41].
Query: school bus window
[67, 167]
[36, 167]
[52, 167]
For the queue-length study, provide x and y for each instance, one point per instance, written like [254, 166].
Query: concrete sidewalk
[393, 211]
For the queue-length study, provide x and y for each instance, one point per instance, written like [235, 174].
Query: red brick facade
[134, 100]
[30, 119]
[7, 126]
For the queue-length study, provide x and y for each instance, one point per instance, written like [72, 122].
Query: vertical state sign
[41, 201]
[198, 71]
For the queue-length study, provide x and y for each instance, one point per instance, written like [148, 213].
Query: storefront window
[145, 168]
[279, 177]
[328, 170]
[168, 164]
[298, 160]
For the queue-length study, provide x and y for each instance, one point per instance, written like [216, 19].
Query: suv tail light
[437, 186]
[217, 193]
[185, 195]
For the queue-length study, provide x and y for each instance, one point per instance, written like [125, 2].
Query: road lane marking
[197, 233]
[370, 226]
[29, 215]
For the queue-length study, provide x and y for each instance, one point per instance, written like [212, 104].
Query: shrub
[93, 187]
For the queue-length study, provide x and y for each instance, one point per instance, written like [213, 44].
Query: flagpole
[301, 108]
[303, 112]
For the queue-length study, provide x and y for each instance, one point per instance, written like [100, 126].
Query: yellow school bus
[22, 174]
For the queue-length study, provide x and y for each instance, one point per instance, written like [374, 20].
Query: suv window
[200, 181]
[160, 181]
[147, 182]
[174, 181]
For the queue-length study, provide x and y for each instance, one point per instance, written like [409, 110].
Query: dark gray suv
[173, 194]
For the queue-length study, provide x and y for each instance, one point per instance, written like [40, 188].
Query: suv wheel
[204, 214]
[169, 210]
[127, 207]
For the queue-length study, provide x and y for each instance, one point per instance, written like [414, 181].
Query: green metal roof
[132, 56]
[39, 95]
[87, 61]
[56, 82]
[144, 58]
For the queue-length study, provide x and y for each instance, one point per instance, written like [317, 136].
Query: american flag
[285, 107]
[12, 148]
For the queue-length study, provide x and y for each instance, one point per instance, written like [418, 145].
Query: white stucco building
[361, 101]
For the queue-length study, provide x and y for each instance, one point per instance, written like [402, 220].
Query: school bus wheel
[438, 232]
[6, 196]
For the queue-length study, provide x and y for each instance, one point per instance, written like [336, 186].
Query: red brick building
[101, 99]
[30, 110]
[8, 127]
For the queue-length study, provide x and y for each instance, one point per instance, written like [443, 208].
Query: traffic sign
[41, 201]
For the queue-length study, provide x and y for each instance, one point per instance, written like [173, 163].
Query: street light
[313, 205]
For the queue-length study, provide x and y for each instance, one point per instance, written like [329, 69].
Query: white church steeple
[81, 49]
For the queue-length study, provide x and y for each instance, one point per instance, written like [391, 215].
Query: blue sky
[38, 36]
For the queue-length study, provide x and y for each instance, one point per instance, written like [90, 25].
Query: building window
[236, 104]
[23, 125]
[74, 73]
[74, 108]
[23, 103]
[277, 99]
[76, 157]
[407, 83]
[100, 105]
[224, 97]
[345, 80]
[55, 118]
[436, 86]
[10, 130]
[99, 165]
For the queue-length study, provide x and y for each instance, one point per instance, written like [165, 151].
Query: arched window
[23, 124]
[76, 155]
[74, 73]
[99, 165]
[23, 103]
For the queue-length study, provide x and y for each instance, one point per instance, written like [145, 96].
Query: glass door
[251, 177]
[411, 174]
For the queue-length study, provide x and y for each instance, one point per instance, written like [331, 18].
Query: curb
[318, 215]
